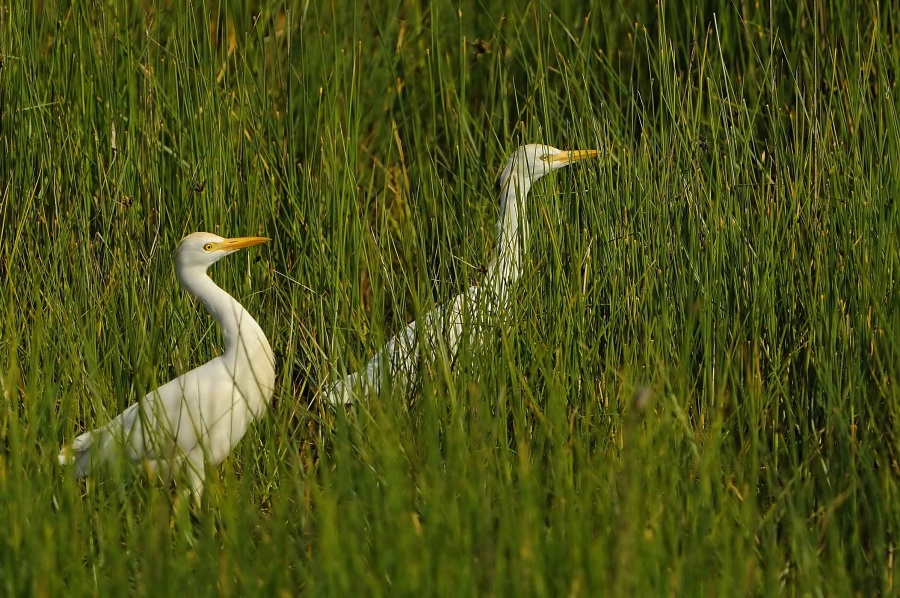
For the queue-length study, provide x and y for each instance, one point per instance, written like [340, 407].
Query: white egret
[442, 328]
[197, 418]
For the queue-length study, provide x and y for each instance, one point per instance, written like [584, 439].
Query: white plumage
[468, 313]
[196, 419]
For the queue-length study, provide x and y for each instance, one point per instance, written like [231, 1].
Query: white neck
[239, 328]
[512, 235]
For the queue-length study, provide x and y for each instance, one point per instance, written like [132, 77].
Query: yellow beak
[573, 156]
[241, 242]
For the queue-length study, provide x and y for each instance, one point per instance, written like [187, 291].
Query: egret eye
[545, 157]
[208, 247]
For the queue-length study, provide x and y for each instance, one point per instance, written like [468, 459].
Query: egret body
[197, 418]
[468, 313]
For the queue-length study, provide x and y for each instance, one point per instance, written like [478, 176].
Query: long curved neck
[512, 235]
[238, 326]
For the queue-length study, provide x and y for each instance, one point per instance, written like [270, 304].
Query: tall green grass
[733, 254]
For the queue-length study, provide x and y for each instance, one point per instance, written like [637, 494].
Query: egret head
[201, 250]
[530, 162]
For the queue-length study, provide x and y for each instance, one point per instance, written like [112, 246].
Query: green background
[696, 391]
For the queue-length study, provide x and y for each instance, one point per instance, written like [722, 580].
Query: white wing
[202, 415]
[441, 331]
